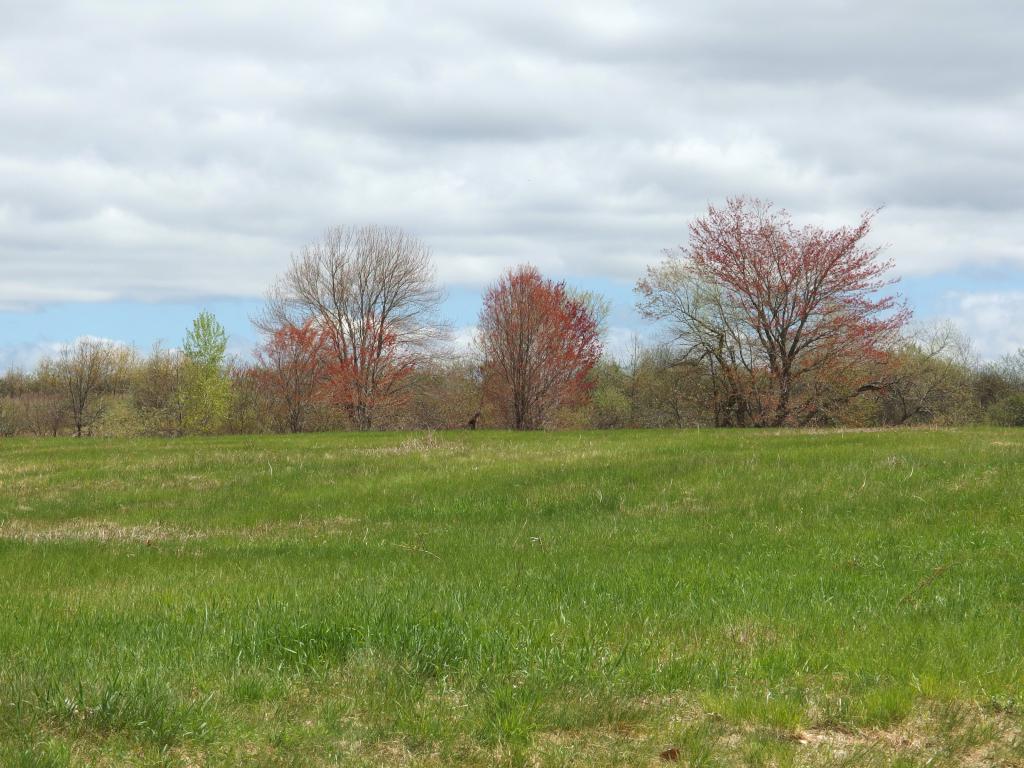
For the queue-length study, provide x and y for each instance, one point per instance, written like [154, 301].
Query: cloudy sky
[156, 159]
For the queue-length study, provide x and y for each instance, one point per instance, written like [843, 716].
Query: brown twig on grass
[926, 582]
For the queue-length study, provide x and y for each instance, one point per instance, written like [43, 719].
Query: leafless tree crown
[373, 292]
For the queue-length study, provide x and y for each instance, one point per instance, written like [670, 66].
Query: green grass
[739, 597]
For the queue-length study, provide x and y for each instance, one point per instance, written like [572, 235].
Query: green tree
[206, 342]
[205, 388]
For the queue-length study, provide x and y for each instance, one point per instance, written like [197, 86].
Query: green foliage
[206, 342]
[120, 419]
[610, 407]
[205, 399]
[156, 391]
[1008, 412]
[565, 599]
[205, 391]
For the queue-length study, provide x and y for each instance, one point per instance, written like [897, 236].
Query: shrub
[1008, 412]
[610, 408]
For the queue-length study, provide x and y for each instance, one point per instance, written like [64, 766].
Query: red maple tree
[292, 371]
[539, 342]
[792, 320]
[368, 370]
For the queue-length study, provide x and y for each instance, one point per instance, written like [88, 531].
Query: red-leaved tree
[539, 341]
[292, 371]
[367, 370]
[790, 320]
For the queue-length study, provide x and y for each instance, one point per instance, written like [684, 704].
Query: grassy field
[626, 598]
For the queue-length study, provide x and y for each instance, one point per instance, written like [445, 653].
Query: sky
[157, 159]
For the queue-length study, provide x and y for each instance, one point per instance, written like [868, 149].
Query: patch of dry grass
[108, 532]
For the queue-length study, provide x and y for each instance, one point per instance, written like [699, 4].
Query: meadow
[711, 598]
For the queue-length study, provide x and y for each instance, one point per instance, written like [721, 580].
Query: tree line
[756, 322]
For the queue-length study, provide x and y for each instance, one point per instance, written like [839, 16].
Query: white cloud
[184, 150]
[464, 338]
[995, 321]
[26, 356]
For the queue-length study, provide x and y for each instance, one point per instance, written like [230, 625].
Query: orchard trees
[539, 342]
[371, 294]
[788, 320]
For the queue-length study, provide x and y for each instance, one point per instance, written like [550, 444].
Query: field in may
[720, 598]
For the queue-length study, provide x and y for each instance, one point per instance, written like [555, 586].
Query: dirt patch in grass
[671, 732]
[969, 737]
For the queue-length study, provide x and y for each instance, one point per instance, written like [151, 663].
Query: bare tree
[371, 291]
[156, 392]
[8, 418]
[1011, 368]
[929, 377]
[704, 329]
[44, 414]
[85, 372]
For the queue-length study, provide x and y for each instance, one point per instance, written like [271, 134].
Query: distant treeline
[755, 322]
